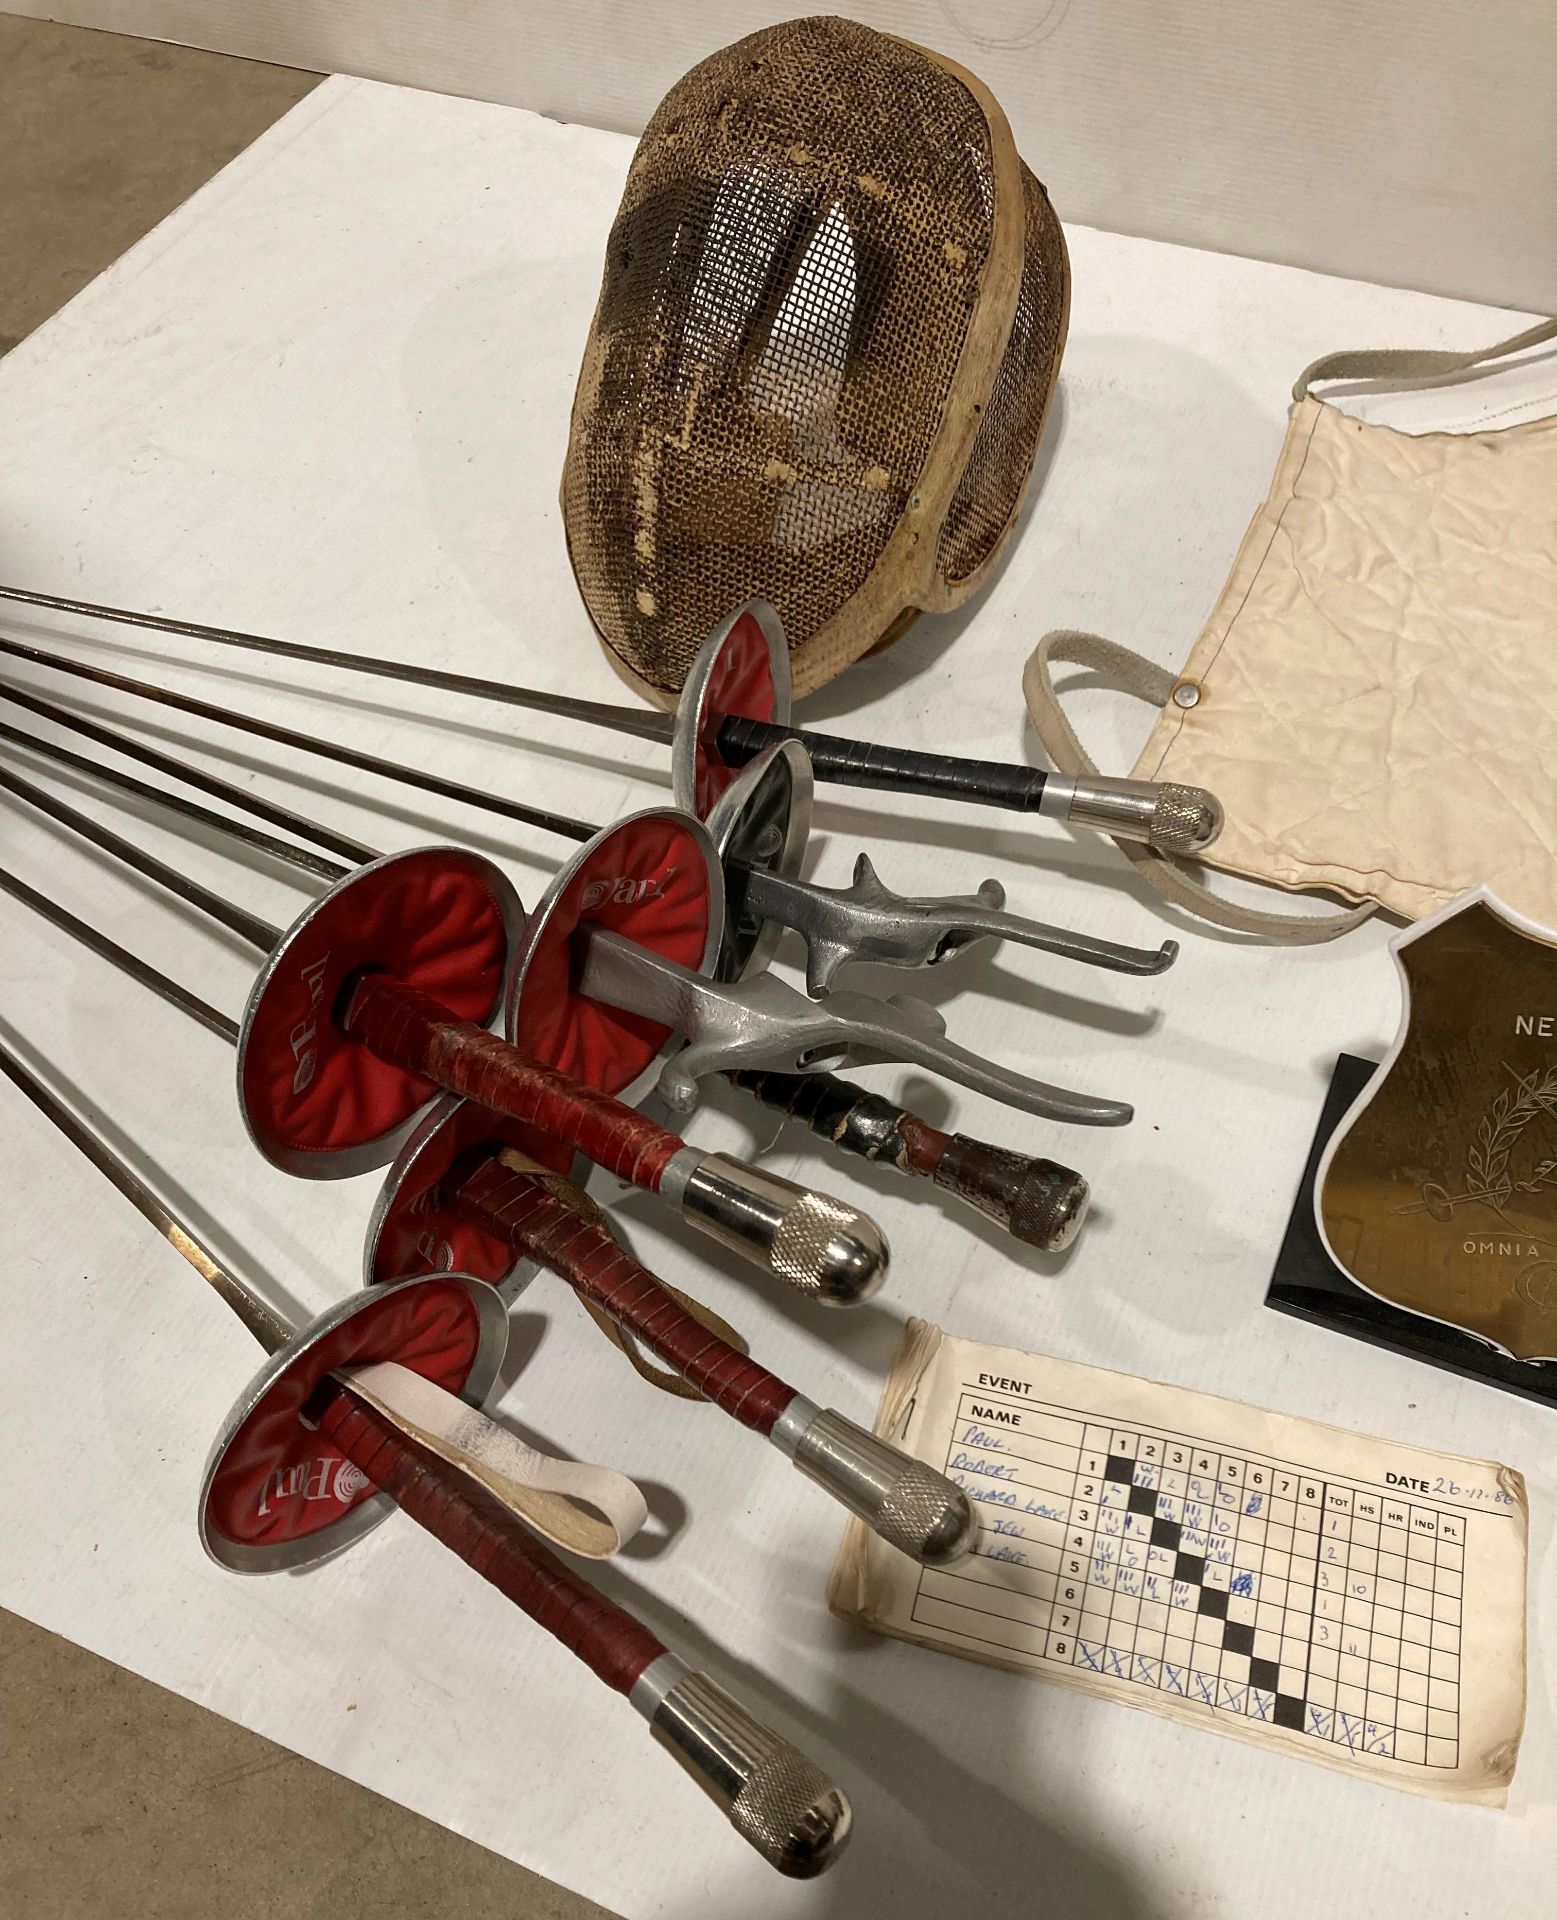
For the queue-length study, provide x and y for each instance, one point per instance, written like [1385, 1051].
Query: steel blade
[659, 727]
[547, 822]
[141, 971]
[247, 926]
[134, 748]
[313, 863]
[244, 1301]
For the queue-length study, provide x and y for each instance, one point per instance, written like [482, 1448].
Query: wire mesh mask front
[800, 270]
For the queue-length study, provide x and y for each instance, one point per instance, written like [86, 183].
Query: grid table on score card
[1329, 1607]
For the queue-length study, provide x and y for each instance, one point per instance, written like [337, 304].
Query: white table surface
[328, 398]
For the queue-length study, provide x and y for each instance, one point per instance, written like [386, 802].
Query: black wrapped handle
[1036, 1201]
[858, 763]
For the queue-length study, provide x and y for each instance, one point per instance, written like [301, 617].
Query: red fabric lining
[740, 687]
[432, 918]
[420, 1232]
[554, 1023]
[278, 1481]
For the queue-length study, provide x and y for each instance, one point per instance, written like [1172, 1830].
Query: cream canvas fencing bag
[1374, 698]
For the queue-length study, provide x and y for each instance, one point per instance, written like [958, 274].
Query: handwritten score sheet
[1352, 1601]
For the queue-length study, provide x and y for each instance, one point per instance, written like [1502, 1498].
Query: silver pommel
[1170, 817]
[769, 1791]
[910, 1505]
[1186, 819]
[820, 1246]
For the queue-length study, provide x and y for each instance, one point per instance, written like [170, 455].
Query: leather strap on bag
[1134, 674]
[1413, 363]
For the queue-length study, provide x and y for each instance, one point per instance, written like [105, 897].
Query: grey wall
[1406, 141]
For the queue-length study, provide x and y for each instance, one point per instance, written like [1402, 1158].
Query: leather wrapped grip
[412, 1031]
[468, 1521]
[537, 1220]
[859, 763]
[1038, 1202]
[861, 1123]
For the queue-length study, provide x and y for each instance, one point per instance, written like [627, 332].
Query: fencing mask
[832, 314]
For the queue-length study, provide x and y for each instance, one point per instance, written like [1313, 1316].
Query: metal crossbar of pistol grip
[759, 826]
[817, 1244]
[1166, 815]
[764, 1022]
[869, 921]
[911, 1506]
[770, 1793]
[1037, 1201]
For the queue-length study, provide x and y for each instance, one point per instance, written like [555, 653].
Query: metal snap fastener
[1186, 694]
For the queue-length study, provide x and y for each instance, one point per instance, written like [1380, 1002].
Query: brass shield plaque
[1439, 1191]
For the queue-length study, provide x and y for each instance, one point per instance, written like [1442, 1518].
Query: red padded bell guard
[410, 1030]
[415, 1231]
[739, 687]
[277, 1482]
[541, 1224]
[437, 916]
[646, 878]
[611, 1643]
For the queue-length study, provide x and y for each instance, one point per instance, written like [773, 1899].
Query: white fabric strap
[590, 1510]
[1134, 674]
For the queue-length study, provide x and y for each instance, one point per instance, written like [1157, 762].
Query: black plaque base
[1309, 1284]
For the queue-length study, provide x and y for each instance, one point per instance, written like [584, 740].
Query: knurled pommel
[829, 1251]
[1169, 817]
[1186, 819]
[791, 1813]
[774, 1797]
[905, 1502]
[1038, 1202]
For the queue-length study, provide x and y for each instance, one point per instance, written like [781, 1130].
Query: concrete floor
[116, 1797]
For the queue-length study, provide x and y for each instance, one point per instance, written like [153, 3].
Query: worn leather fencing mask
[1374, 698]
[832, 314]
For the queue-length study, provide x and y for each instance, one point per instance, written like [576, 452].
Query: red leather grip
[540, 1222]
[414, 1032]
[612, 1644]
[924, 1146]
